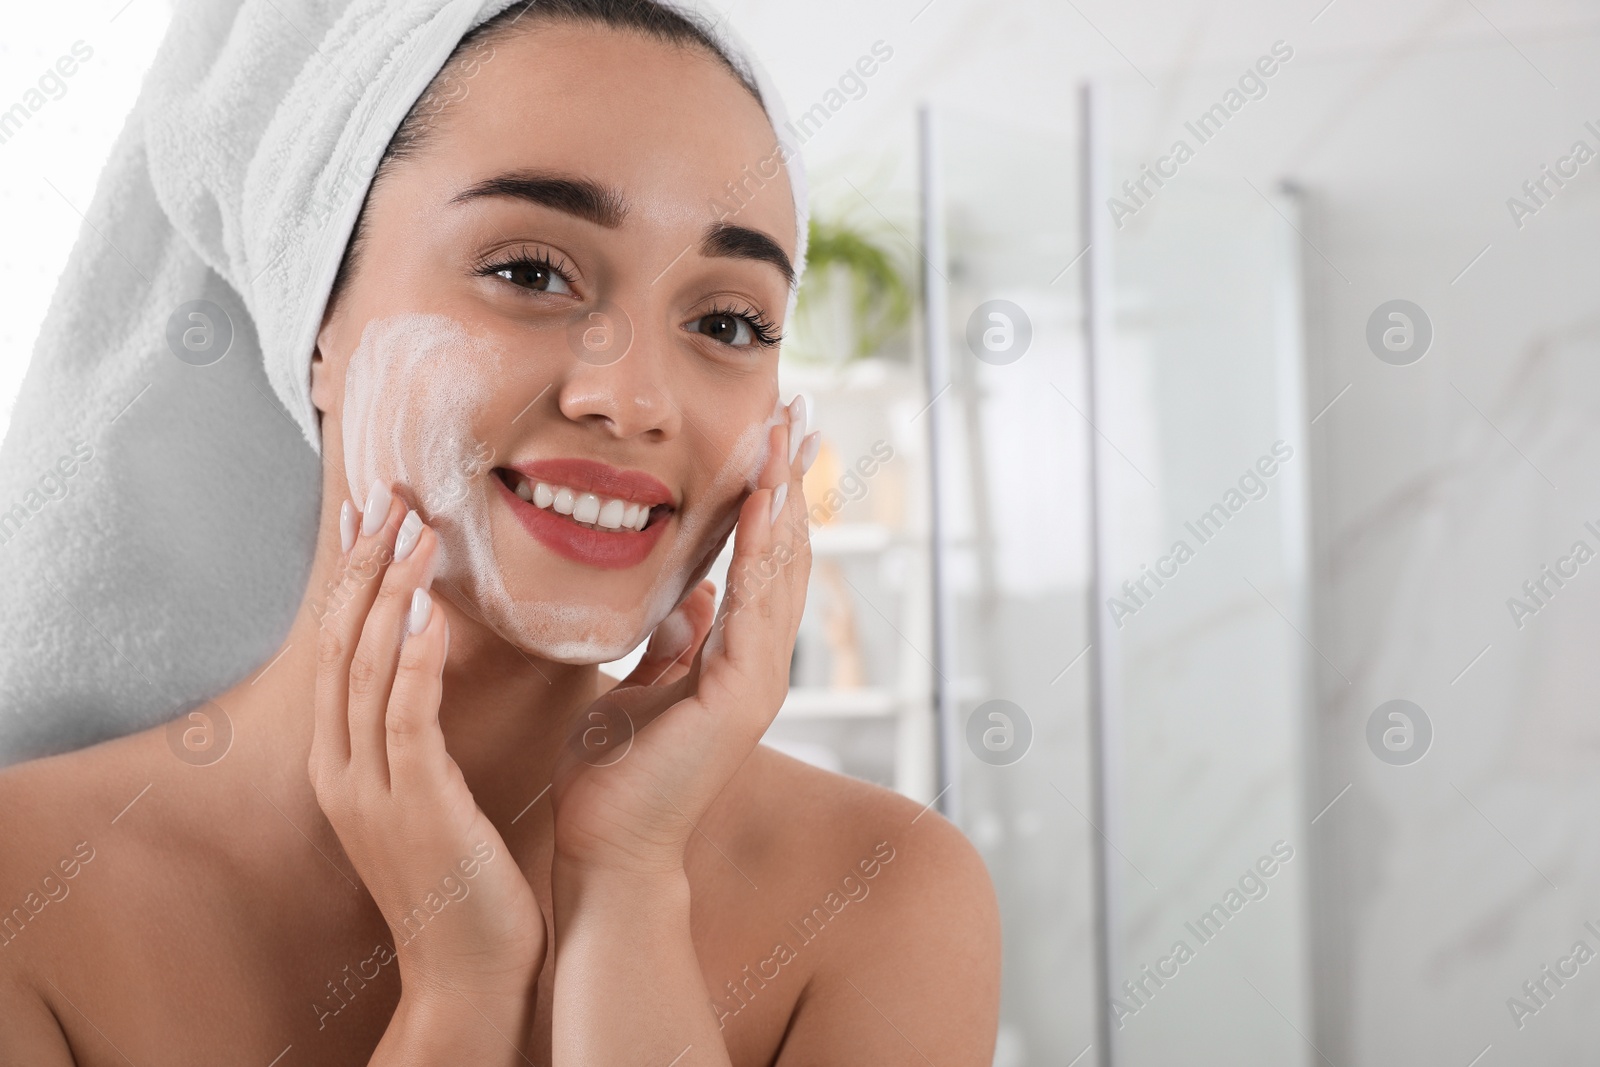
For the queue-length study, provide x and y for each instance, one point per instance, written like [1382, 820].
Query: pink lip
[588, 476]
[612, 550]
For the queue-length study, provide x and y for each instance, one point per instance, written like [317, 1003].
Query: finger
[377, 655]
[341, 614]
[776, 470]
[792, 533]
[753, 533]
[702, 610]
[800, 452]
[787, 518]
[415, 748]
[744, 629]
[676, 639]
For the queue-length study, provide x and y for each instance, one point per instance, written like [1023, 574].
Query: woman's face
[544, 308]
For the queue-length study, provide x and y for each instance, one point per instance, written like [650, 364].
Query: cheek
[414, 390]
[730, 466]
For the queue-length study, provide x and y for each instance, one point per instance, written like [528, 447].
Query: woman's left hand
[648, 760]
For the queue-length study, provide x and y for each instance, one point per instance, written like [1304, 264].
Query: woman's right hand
[469, 935]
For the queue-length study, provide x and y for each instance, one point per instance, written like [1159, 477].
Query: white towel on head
[158, 501]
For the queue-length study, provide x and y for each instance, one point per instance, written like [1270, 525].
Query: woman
[438, 837]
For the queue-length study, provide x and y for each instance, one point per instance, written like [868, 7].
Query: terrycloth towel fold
[158, 502]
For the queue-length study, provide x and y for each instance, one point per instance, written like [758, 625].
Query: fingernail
[421, 609]
[779, 495]
[377, 508]
[406, 540]
[797, 425]
[809, 449]
[347, 526]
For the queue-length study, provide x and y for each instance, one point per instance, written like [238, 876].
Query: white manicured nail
[421, 610]
[809, 449]
[377, 508]
[797, 425]
[779, 495]
[347, 526]
[406, 540]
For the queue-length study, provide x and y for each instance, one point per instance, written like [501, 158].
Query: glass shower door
[1202, 608]
[1010, 483]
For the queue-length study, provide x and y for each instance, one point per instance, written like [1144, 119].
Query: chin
[554, 609]
[569, 632]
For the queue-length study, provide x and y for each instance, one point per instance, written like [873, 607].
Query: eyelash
[765, 331]
[526, 258]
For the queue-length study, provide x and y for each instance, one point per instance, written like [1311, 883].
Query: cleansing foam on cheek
[415, 386]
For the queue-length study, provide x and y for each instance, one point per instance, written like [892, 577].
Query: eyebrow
[602, 205]
[741, 242]
[588, 200]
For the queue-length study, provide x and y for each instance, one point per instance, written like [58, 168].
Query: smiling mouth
[590, 511]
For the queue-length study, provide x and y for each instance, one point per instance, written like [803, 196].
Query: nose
[616, 381]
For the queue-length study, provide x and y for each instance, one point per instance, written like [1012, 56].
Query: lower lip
[595, 548]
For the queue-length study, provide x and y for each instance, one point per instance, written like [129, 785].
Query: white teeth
[610, 516]
[588, 508]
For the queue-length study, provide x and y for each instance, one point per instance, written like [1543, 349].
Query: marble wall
[1440, 487]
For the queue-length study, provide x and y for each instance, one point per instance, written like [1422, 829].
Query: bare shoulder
[810, 817]
[41, 799]
[43, 802]
[893, 902]
[57, 814]
[83, 831]
[54, 814]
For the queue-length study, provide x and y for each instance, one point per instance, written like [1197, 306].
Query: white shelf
[850, 539]
[857, 405]
[816, 702]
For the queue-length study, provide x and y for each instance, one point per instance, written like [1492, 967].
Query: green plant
[877, 290]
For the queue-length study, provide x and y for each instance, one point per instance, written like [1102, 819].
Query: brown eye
[539, 276]
[736, 328]
[729, 329]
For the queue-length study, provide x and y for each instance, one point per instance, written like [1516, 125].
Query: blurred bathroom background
[1198, 527]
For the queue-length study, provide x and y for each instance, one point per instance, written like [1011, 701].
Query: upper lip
[601, 479]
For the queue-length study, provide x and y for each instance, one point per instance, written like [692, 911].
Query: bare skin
[257, 907]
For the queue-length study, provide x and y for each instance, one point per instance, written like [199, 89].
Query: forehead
[668, 126]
